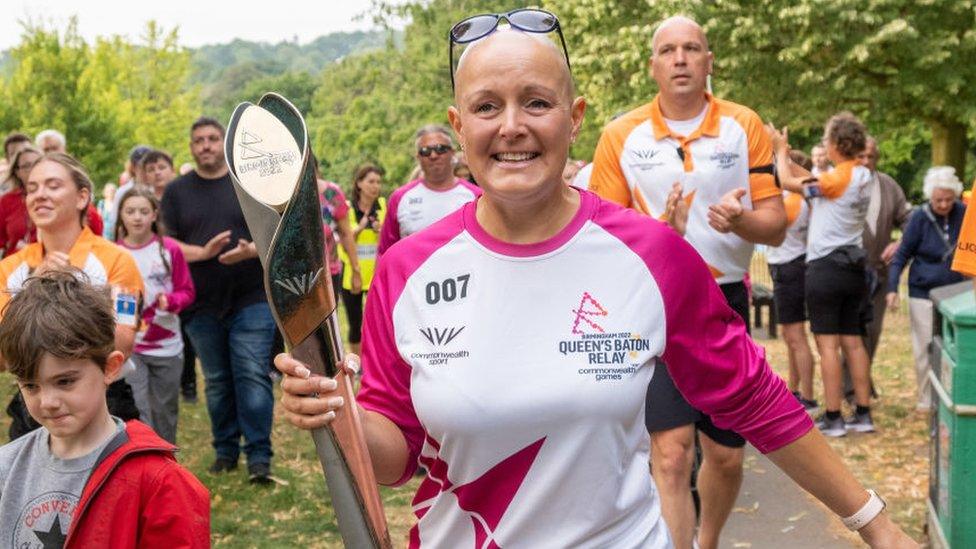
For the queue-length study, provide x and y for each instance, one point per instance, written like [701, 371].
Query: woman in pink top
[508, 347]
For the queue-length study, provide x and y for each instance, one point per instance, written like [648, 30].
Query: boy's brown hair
[59, 313]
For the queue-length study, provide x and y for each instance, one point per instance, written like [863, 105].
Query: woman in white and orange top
[788, 269]
[57, 193]
[836, 284]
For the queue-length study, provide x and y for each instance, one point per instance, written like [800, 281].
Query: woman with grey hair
[928, 243]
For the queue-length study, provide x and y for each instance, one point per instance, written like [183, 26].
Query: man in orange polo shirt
[705, 165]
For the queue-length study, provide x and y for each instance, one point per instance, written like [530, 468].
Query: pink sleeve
[183, 292]
[385, 387]
[390, 233]
[341, 207]
[714, 362]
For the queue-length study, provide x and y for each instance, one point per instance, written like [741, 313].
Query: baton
[270, 163]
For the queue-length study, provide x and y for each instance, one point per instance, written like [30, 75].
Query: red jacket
[139, 496]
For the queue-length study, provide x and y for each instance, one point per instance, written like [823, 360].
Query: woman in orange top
[836, 283]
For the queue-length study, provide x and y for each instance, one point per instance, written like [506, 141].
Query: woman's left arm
[811, 463]
[722, 372]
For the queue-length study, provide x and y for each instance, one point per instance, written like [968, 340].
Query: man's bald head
[675, 21]
[507, 44]
[680, 64]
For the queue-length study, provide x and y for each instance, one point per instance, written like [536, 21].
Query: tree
[220, 96]
[369, 106]
[45, 90]
[155, 103]
[896, 63]
[105, 98]
[298, 87]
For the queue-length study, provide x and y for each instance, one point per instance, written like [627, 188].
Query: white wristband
[867, 513]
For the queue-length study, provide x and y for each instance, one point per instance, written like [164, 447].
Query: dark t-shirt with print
[195, 210]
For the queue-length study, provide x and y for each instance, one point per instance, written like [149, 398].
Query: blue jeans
[234, 353]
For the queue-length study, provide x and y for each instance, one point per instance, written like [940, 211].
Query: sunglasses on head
[439, 149]
[479, 26]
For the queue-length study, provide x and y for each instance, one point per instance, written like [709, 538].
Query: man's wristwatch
[867, 513]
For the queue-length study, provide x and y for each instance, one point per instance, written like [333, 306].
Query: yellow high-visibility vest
[366, 244]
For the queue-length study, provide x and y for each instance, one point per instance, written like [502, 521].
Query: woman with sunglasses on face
[433, 195]
[508, 347]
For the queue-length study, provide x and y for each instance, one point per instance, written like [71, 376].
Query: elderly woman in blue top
[928, 243]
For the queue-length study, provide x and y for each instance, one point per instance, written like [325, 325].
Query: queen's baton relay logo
[611, 355]
[588, 309]
[267, 160]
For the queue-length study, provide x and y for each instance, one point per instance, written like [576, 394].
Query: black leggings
[354, 313]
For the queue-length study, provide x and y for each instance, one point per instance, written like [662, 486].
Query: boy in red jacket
[85, 479]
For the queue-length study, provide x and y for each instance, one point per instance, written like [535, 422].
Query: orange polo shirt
[638, 158]
[103, 262]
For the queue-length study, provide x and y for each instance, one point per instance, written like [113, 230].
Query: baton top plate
[267, 159]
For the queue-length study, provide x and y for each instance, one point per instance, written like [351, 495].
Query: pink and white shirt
[332, 201]
[160, 335]
[518, 375]
[416, 206]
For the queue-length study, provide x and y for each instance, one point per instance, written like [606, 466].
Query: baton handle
[342, 450]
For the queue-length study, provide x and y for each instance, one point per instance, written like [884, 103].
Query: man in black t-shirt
[230, 324]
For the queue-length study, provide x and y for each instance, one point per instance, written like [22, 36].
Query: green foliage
[104, 97]
[900, 65]
[777, 57]
[210, 61]
[368, 106]
[904, 67]
[224, 70]
[298, 87]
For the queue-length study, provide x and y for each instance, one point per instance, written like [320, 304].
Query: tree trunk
[949, 145]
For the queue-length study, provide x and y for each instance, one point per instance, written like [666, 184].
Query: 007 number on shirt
[447, 290]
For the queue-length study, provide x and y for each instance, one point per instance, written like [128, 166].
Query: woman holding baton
[529, 418]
